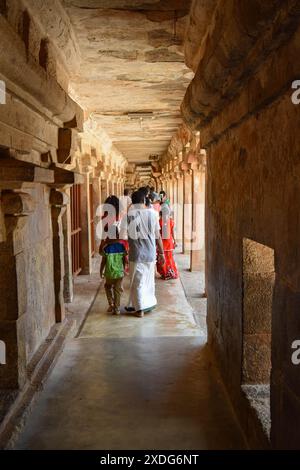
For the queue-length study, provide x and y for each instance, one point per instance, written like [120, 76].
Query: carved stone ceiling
[132, 65]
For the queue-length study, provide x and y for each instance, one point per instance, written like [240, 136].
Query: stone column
[171, 192]
[198, 219]
[66, 227]
[58, 201]
[168, 185]
[16, 206]
[179, 228]
[175, 194]
[104, 190]
[187, 211]
[110, 188]
[86, 248]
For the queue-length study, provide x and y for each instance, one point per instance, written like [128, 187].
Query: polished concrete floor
[132, 383]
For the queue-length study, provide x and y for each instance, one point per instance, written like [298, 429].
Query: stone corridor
[197, 104]
[130, 383]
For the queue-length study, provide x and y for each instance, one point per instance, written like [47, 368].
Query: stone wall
[35, 266]
[36, 108]
[250, 128]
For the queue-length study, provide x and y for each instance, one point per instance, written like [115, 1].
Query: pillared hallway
[200, 99]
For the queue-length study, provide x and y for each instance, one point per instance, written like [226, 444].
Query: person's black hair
[152, 189]
[126, 192]
[148, 201]
[138, 197]
[114, 201]
[163, 193]
[144, 190]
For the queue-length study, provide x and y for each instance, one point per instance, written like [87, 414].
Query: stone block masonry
[249, 126]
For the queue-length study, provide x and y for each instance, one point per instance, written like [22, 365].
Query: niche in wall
[258, 287]
[44, 54]
[3, 8]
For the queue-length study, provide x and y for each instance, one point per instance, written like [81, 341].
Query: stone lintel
[16, 171]
[63, 177]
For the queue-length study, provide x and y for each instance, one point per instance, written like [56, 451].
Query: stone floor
[131, 383]
[194, 288]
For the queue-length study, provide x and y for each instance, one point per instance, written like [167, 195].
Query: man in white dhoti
[143, 233]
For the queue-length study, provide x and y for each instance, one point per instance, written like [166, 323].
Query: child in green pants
[112, 269]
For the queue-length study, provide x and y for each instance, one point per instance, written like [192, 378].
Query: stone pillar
[198, 220]
[171, 193]
[104, 190]
[168, 186]
[110, 188]
[86, 245]
[98, 193]
[16, 206]
[187, 211]
[175, 194]
[66, 227]
[179, 228]
[58, 201]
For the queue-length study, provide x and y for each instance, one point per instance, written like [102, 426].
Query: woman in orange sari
[167, 270]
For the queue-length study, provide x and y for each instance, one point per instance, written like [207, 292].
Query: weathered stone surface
[230, 56]
[33, 79]
[17, 204]
[18, 171]
[199, 23]
[240, 99]
[131, 47]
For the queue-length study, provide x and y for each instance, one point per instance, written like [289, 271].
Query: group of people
[138, 238]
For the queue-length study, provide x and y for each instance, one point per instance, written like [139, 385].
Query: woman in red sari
[168, 270]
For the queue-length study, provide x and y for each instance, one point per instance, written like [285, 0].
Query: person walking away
[155, 198]
[144, 238]
[110, 219]
[168, 268]
[113, 269]
[125, 202]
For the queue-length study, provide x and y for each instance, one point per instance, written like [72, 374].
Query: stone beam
[14, 171]
[198, 25]
[33, 79]
[54, 21]
[63, 177]
[239, 41]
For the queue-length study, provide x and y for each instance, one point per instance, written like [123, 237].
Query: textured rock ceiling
[132, 62]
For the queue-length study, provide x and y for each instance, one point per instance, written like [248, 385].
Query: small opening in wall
[258, 288]
[25, 29]
[4, 152]
[44, 54]
[3, 8]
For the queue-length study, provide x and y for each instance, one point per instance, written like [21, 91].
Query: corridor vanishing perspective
[195, 104]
